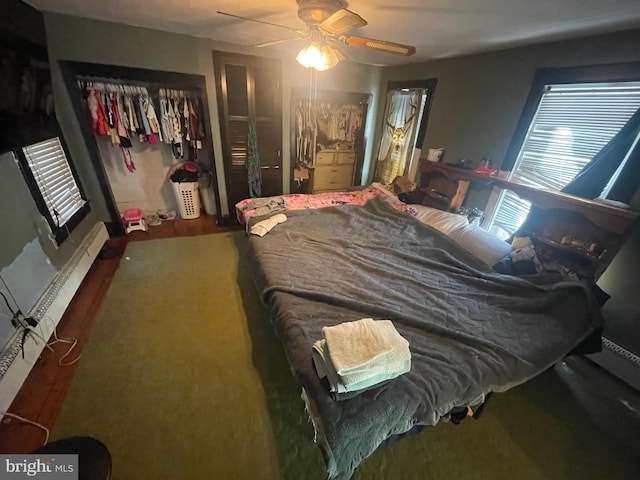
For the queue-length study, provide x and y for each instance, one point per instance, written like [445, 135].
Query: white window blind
[571, 125]
[50, 168]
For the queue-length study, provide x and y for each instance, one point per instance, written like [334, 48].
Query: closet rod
[112, 80]
[137, 83]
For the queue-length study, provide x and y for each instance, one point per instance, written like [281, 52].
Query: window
[568, 126]
[53, 186]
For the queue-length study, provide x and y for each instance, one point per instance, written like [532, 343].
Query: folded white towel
[353, 382]
[263, 227]
[355, 346]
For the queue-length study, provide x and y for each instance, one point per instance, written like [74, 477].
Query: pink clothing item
[301, 201]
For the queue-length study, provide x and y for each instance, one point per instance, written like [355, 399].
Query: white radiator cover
[14, 369]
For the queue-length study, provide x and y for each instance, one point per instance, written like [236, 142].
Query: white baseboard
[48, 311]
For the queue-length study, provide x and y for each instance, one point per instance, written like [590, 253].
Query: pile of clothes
[356, 356]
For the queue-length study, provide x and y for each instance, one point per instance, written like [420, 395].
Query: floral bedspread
[301, 201]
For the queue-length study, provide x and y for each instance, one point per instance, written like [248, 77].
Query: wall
[21, 20]
[622, 282]
[72, 38]
[146, 188]
[29, 258]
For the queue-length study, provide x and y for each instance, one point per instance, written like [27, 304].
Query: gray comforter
[471, 331]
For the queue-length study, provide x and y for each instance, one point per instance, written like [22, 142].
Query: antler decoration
[414, 109]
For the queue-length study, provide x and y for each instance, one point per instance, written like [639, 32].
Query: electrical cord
[18, 319]
[31, 422]
[56, 339]
[29, 325]
[7, 302]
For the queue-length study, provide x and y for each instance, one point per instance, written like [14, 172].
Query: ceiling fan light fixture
[331, 58]
[320, 57]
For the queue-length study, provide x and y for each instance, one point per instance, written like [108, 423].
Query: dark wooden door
[249, 91]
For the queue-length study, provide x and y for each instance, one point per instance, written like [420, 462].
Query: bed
[471, 330]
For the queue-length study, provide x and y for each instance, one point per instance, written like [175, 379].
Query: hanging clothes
[131, 113]
[174, 113]
[123, 136]
[99, 124]
[122, 116]
[154, 125]
[325, 125]
[146, 128]
[112, 104]
[194, 131]
[254, 174]
[200, 114]
[123, 112]
[165, 122]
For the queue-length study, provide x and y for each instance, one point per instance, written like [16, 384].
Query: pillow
[481, 243]
[446, 222]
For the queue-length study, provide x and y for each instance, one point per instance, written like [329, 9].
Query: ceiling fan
[328, 25]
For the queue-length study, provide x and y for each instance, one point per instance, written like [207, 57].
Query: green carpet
[183, 379]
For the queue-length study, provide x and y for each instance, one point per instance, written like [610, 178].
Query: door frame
[220, 59]
[429, 85]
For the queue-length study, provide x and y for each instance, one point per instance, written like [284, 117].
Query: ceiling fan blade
[341, 22]
[382, 45]
[296, 30]
[283, 40]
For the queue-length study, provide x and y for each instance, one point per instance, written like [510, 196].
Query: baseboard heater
[14, 369]
[619, 361]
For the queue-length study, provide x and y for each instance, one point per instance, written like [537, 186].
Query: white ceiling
[437, 28]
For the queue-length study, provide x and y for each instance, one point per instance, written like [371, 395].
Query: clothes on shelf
[125, 112]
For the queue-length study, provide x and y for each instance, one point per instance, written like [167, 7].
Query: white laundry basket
[188, 199]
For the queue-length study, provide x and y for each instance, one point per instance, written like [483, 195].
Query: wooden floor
[41, 397]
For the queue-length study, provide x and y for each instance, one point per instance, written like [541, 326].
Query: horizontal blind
[50, 168]
[572, 124]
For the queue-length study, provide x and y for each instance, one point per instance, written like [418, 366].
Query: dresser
[333, 170]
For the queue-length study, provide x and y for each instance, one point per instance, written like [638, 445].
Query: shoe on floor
[153, 219]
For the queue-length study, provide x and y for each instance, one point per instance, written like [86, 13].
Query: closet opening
[134, 144]
[327, 139]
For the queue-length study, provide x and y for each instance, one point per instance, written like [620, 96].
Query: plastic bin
[187, 198]
[206, 193]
